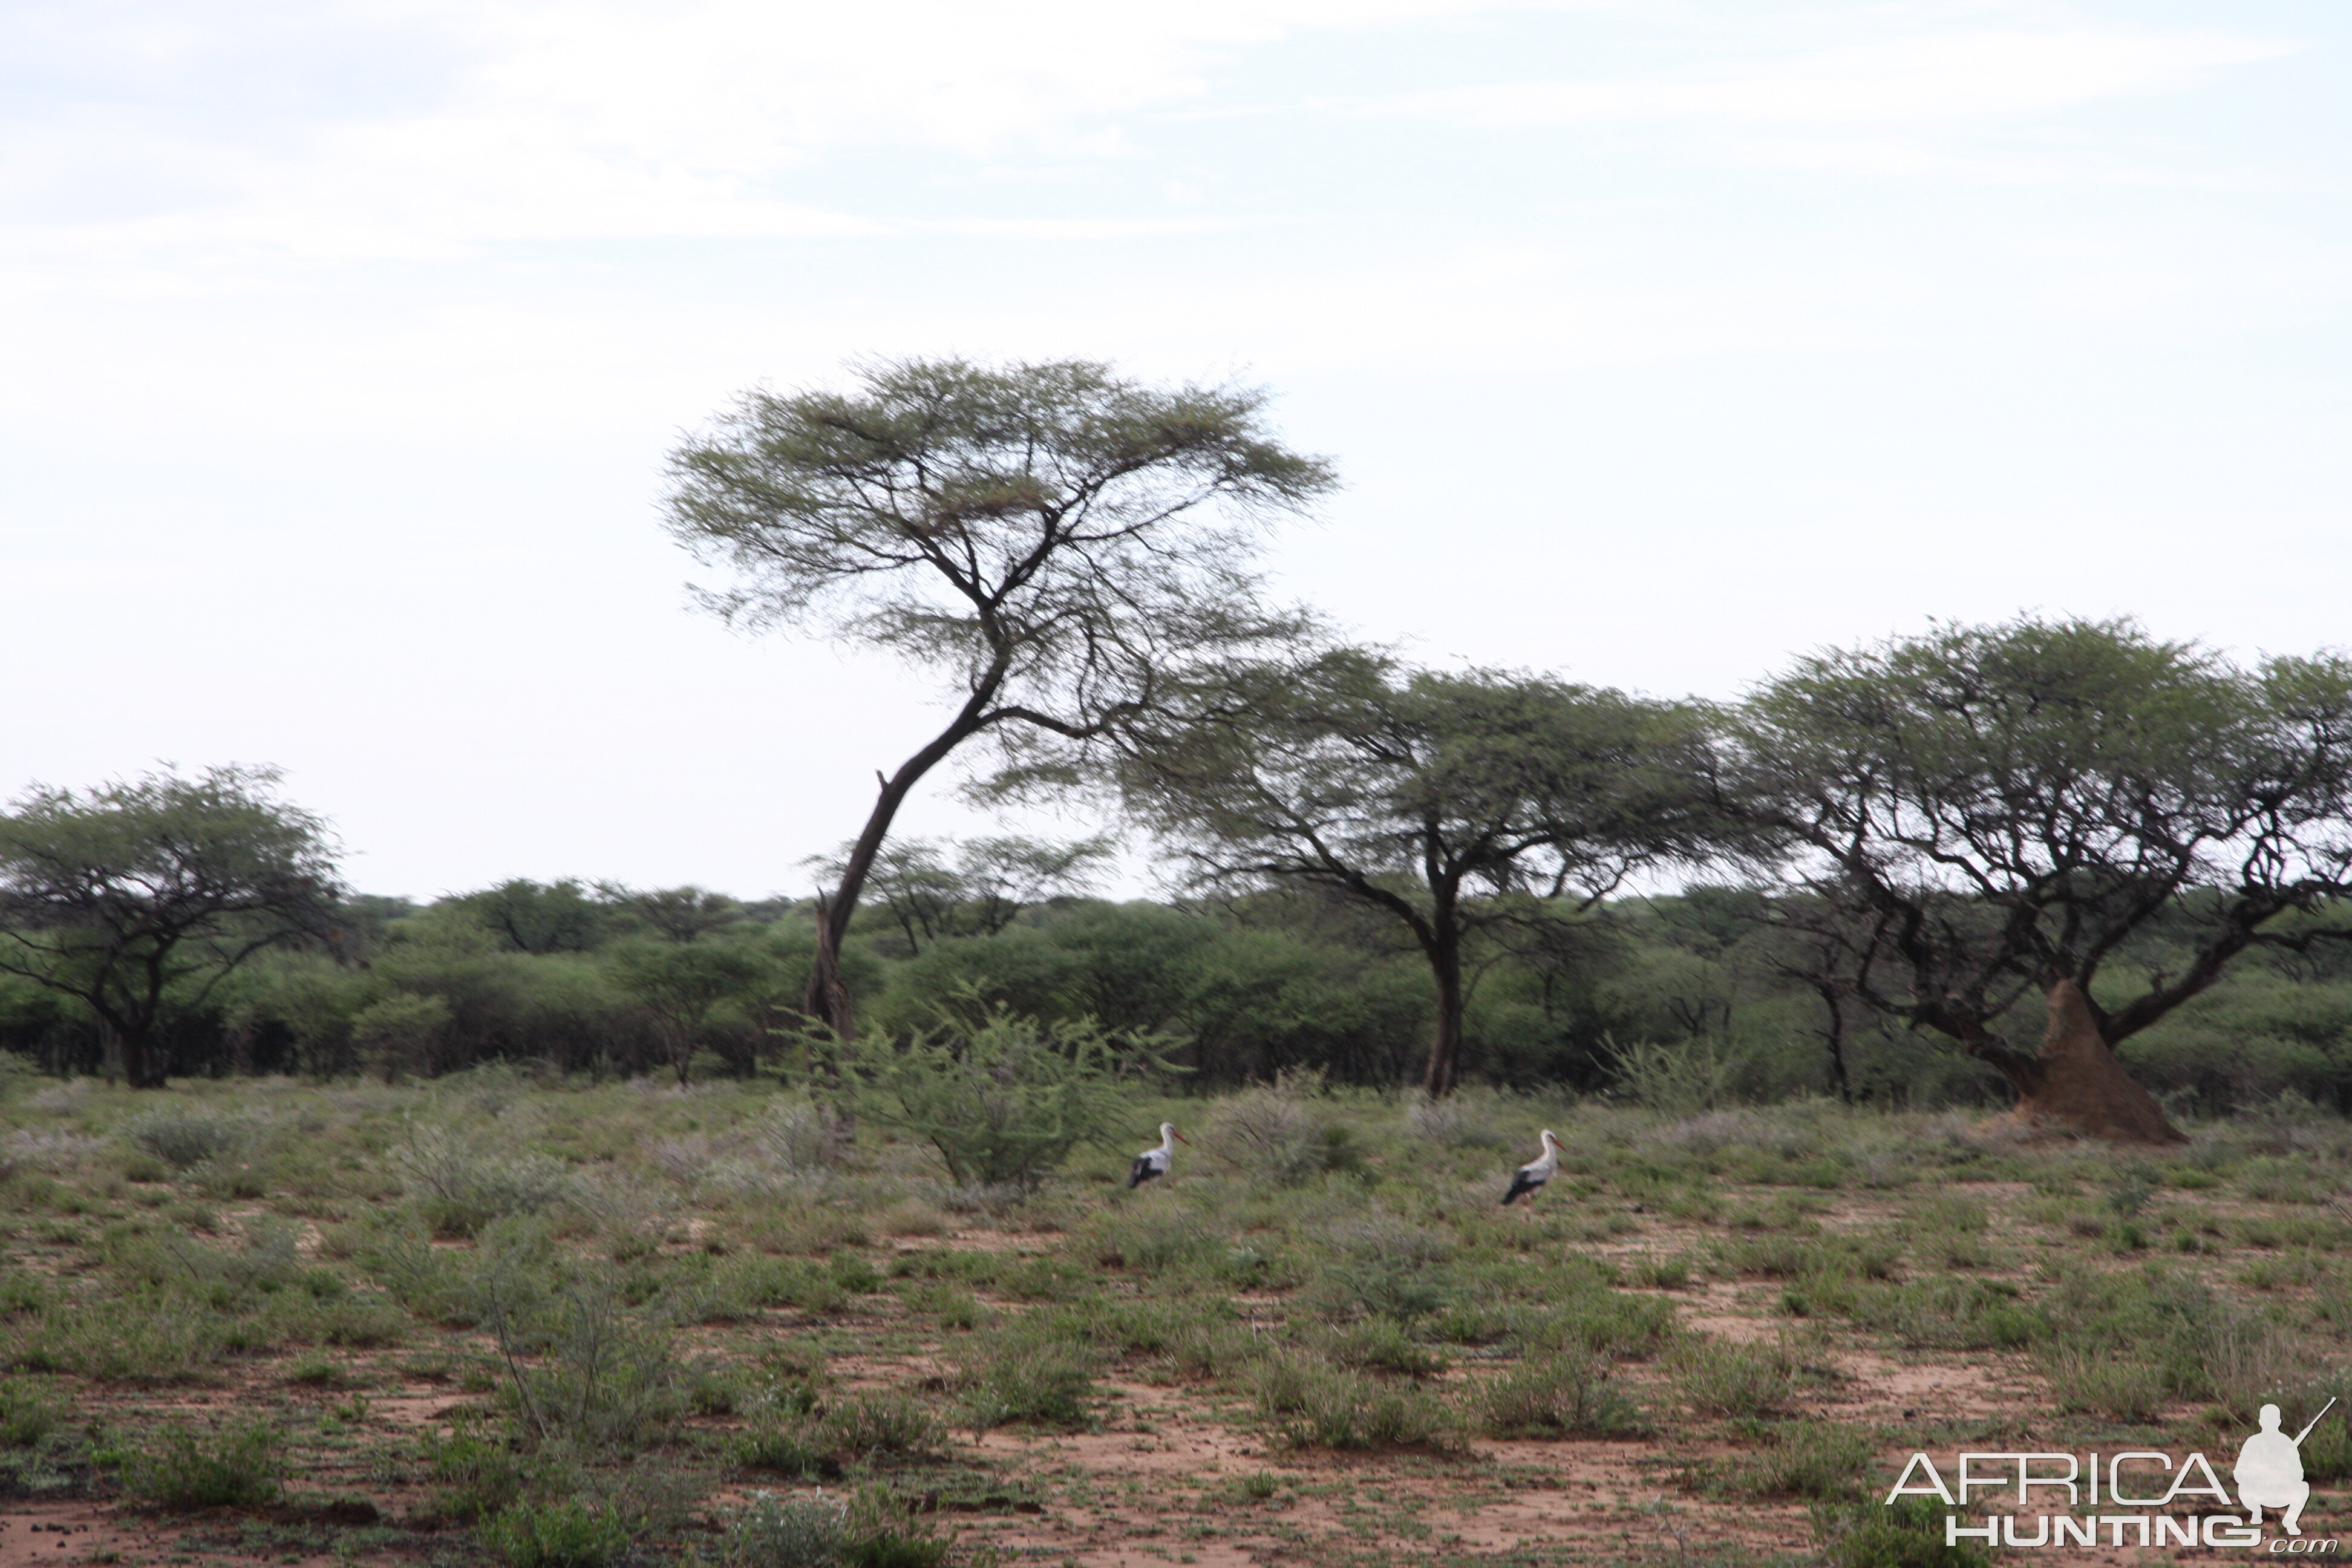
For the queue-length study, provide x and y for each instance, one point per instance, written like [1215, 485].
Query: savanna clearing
[493, 1319]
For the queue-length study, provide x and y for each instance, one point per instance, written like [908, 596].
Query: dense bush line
[1671, 1002]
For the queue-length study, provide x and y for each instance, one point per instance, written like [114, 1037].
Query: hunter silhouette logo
[2269, 1472]
[2154, 1489]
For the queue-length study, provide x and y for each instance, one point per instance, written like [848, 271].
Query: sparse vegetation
[659, 1297]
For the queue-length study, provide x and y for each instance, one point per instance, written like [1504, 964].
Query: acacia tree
[1982, 814]
[984, 889]
[681, 982]
[1452, 804]
[138, 896]
[1055, 542]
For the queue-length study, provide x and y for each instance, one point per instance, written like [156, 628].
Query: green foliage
[1800, 1459]
[1740, 1381]
[870, 1529]
[1278, 1133]
[26, 1416]
[1990, 789]
[567, 1535]
[786, 1532]
[682, 983]
[1308, 1402]
[186, 1136]
[236, 1466]
[401, 1034]
[136, 899]
[1907, 1534]
[1030, 1373]
[460, 1181]
[479, 1476]
[1003, 1098]
[1413, 793]
[1384, 1266]
[1570, 1396]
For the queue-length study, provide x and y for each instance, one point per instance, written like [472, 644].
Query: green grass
[241, 1465]
[636, 1308]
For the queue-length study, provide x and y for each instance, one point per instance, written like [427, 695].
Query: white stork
[1530, 1177]
[1155, 1162]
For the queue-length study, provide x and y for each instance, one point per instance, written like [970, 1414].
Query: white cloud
[1926, 80]
[595, 120]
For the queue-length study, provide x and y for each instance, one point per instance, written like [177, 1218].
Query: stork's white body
[1529, 1178]
[1157, 1160]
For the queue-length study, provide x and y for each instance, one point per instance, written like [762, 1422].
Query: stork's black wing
[1142, 1171]
[1521, 1181]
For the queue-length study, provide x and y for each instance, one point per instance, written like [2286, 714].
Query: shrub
[1385, 1267]
[794, 1447]
[1558, 1396]
[1671, 1273]
[1381, 1344]
[1270, 1134]
[871, 1530]
[1802, 1458]
[184, 1137]
[570, 1534]
[459, 1185]
[1463, 1120]
[235, 1467]
[1003, 1098]
[1311, 1404]
[480, 1476]
[786, 1532]
[55, 1152]
[1033, 1375]
[1720, 1379]
[2106, 1383]
[1909, 1534]
[1690, 1075]
[401, 1034]
[1156, 1239]
[609, 1380]
[869, 1424]
[26, 1417]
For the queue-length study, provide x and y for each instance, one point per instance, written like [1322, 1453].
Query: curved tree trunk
[2075, 1084]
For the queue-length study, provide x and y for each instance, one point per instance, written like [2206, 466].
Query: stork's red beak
[1178, 1136]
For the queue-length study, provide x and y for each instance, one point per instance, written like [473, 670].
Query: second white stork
[1529, 1178]
[1155, 1162]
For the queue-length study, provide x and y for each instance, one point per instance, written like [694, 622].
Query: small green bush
[1030, 1377]
[1740, 1381]
[786, 1532]
[2106, 1383]
[459, 1185]
[1909, 1534]
[1557, 1396]
[1002, 1098]
[1802, 1459]
[790, 1447]
[479, 1476]
[1309, 1404]
[184, 1137]
[871, 1530]
[1386, 1268]
[866, 1424]
[235, 1467]
[569, 1534]
[1276, 1134]
[26, 1416]
[1381, 1344]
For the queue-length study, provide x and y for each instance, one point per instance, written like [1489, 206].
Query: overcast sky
[1655, 340]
